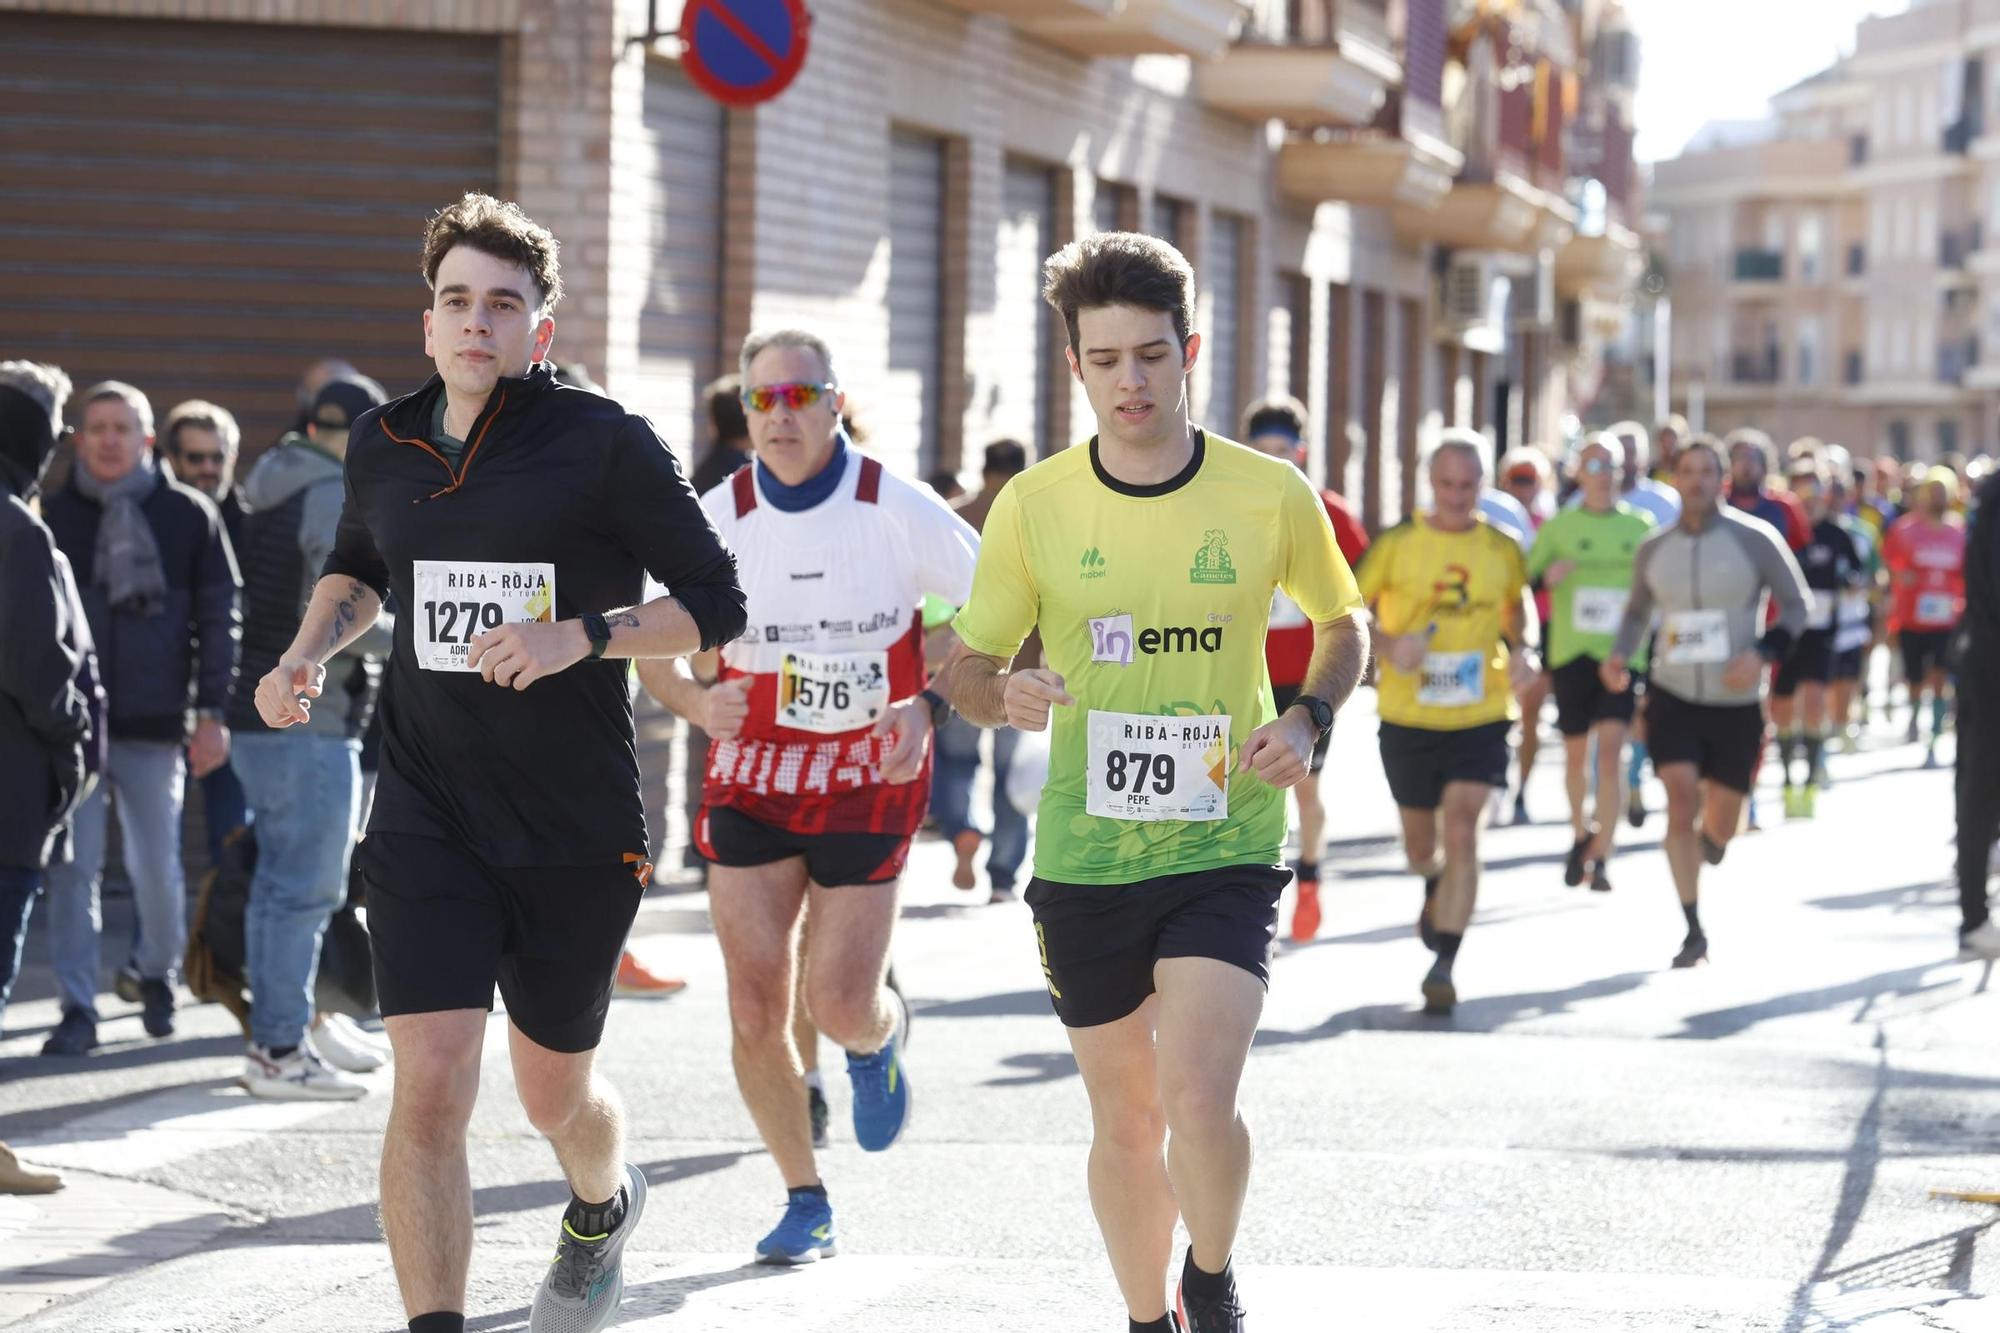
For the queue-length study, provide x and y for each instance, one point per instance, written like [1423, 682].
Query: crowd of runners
[1183, 615]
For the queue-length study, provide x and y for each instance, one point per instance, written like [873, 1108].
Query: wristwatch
[1320, 710]
[596, 631]
[940, 708]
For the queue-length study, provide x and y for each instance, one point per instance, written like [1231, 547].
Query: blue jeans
[1010, 826]
[954, 766]
[18, 887]
[305, 796]
[146, 781]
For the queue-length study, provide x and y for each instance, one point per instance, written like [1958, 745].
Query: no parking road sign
[741, 52]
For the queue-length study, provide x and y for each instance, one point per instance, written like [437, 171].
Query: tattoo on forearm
[628, 619]
[346, 612]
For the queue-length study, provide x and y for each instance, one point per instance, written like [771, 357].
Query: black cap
[340, 401]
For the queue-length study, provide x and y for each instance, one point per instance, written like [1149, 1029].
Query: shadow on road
[1902, 984]
[664, 1296]
[1007, 1004]
[1490, 864]
[1924, 893]
[1036, 1067]
[45, 1119]
[1490, 1013]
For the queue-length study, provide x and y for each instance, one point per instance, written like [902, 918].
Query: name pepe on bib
[458, 600]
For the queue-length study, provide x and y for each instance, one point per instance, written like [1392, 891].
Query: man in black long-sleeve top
[515, 520]
[1977, 654]
[160, 587]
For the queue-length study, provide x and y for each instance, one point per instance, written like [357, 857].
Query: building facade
[1830, 270]
[1407, 213]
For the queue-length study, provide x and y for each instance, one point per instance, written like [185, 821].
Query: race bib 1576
[459, 600]
[1149, 768]
[831, 693]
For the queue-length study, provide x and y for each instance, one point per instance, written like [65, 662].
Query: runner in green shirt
[1583, 556]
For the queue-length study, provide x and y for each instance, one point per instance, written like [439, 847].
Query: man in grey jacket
[1708, 579]
[303, 783]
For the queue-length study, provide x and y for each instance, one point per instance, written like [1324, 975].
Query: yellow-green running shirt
[1152, 603]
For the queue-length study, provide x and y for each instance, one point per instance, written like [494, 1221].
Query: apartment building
[1831, 270]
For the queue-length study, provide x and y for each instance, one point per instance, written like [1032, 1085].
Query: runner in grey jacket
[1706, 581]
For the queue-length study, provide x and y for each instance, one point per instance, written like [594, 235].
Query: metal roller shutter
[679, 194]
[906, 421]
[1024, 354]
[204, 208]
[1222, 336]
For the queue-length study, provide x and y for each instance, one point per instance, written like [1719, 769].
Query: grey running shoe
[584, 1284]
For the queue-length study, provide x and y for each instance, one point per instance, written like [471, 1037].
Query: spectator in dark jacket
[160, 587]
[50, 749]
[1978, 779]
[304, 782]
[201, 441]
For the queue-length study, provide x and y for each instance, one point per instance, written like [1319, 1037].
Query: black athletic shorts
[1925, 651]
[1811, 659]
[1847, 665]
[446, 928]
[725, 836]
[1722, 741]
[1099, 941]
[1582, 701]
[1420, 761]
[1286, 696]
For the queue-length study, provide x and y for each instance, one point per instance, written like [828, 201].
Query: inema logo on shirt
[1113, 640]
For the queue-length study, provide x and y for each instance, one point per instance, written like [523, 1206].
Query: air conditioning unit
[1472, 291]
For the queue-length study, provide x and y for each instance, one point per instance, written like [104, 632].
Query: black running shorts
[1099, 941]
[1582, 701]
[1722, 741]
[1924, 651]
[1847, 665]
[725, 836]
[1811, 660]
[446, 928]
[1420, 761]
[1286, 696]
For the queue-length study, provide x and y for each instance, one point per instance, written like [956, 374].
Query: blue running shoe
[881, 1089]
[581, 1291]
[804, 1236]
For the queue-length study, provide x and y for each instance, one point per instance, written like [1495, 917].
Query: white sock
[813, 1081]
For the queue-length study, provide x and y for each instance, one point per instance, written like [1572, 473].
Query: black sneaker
[76, 1034]
[1635, 807]
[1195, 1315]
[816, 1108]
[1711, 850]
[126, 985]
[1440, 996]
[158, 1014]
[1425, 930]
[1573, 868]
[1693, 950]
[1521, 809]
[1599, 881]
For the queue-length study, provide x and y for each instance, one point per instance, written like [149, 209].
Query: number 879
[1138, 767]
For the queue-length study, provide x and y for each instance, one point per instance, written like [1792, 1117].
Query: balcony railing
[1754, 367]
[1760, 265]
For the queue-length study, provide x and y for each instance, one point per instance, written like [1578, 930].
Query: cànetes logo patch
[1212, 563]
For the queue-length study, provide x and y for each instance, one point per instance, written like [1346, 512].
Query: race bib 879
[459, 600]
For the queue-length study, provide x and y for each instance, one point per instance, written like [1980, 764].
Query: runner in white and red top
[819, 760]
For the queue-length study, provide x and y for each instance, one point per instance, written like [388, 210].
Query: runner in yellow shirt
[1147, 559]
[1452, 627]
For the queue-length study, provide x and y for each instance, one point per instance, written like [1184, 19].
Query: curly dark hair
[494, 227]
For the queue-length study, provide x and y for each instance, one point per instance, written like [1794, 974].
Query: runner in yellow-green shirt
[1147, 559]
[1583, 556]
[1452, 619]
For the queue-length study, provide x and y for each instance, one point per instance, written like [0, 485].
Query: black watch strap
[940, 708]
[1319, 709]
[596, 631]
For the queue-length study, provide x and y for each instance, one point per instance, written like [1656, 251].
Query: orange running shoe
[637, 981]
[966, 844]
[1305, 913]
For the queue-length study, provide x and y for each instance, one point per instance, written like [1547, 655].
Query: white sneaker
[299, 1077]
[1982, 941]
[346, 1045]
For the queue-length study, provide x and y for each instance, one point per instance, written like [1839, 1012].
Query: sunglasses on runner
[1525, 478]
[1594, 466]
[762, 398]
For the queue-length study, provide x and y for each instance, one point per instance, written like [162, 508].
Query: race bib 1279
[459, 600]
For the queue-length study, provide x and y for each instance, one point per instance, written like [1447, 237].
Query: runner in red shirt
[1277, 426]
[1925, 555]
